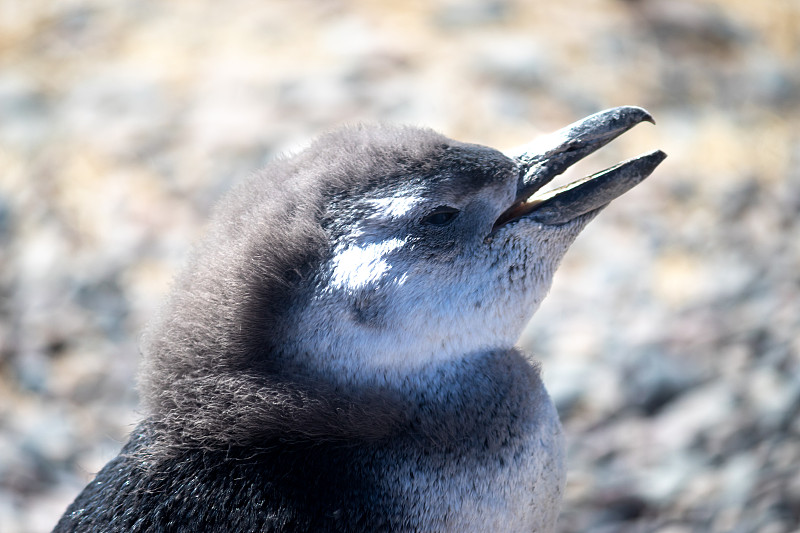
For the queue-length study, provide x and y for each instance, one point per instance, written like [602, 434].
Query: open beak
[545, 158]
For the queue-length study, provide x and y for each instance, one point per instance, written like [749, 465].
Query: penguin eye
[440, 216]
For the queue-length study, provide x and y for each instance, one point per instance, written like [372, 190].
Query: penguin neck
[337, 397]
[397, 361]
[328, 344]
[397, 365]
[442, 401]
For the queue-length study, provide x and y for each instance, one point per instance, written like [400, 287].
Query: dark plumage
[316, 369]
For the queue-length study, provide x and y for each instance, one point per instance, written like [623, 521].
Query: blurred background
[669, 341]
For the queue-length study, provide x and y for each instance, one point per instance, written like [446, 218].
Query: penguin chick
[339, 353]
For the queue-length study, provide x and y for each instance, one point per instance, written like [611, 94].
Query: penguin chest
[502, 483]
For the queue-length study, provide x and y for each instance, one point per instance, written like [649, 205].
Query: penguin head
[377, 251]
[437, 249]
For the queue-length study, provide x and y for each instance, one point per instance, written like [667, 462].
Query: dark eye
[440, 216]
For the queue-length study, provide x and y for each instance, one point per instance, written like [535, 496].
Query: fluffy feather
[289, 386]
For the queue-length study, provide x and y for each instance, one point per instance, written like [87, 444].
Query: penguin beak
[545, 158]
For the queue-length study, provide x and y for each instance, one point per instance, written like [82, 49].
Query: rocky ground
[670, 339]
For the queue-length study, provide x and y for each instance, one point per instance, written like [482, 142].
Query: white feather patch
[395, 206]
[356, 266]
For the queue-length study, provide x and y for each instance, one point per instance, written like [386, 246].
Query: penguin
[339, 352]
